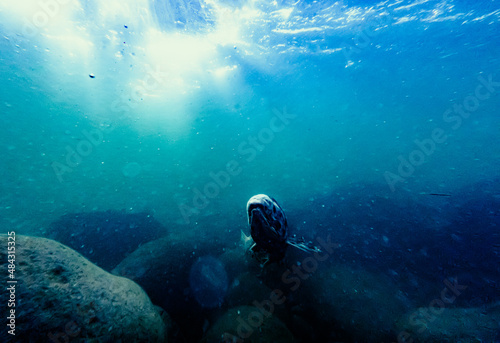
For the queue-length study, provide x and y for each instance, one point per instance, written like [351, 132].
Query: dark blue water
[376, 123]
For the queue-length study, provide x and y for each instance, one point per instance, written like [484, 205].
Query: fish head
[268, 224]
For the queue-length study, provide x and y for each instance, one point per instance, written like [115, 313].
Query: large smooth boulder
[60, 296]
[106, 237]
[237, 261]
[248, 324]
[171, 271]
[439, 324]
[352, 304]
[245, 289]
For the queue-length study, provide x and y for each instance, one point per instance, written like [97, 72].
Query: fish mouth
[259, 201]
[262, 230]
[256, 216]
[255, 208]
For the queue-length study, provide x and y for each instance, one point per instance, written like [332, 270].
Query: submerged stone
[163, 268]
[436, 324]
[248, 324]
[60, 296]
[353, 304]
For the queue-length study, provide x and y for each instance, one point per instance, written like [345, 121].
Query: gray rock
[61, 296]
[162, 267]
[245, 289]
[435, 324]
[354, 303]
[248, 324]
[238, 261]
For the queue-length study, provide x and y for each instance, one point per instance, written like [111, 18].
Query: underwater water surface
[375, 124]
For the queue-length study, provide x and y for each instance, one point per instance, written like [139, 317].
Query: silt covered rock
[182, 275]
[436, 323]
[353, 304]
[60, 296]
[248, 324]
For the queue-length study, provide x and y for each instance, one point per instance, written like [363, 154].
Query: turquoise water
[187, 109]
[364, 81]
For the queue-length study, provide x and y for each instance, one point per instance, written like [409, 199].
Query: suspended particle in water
[131, 169]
